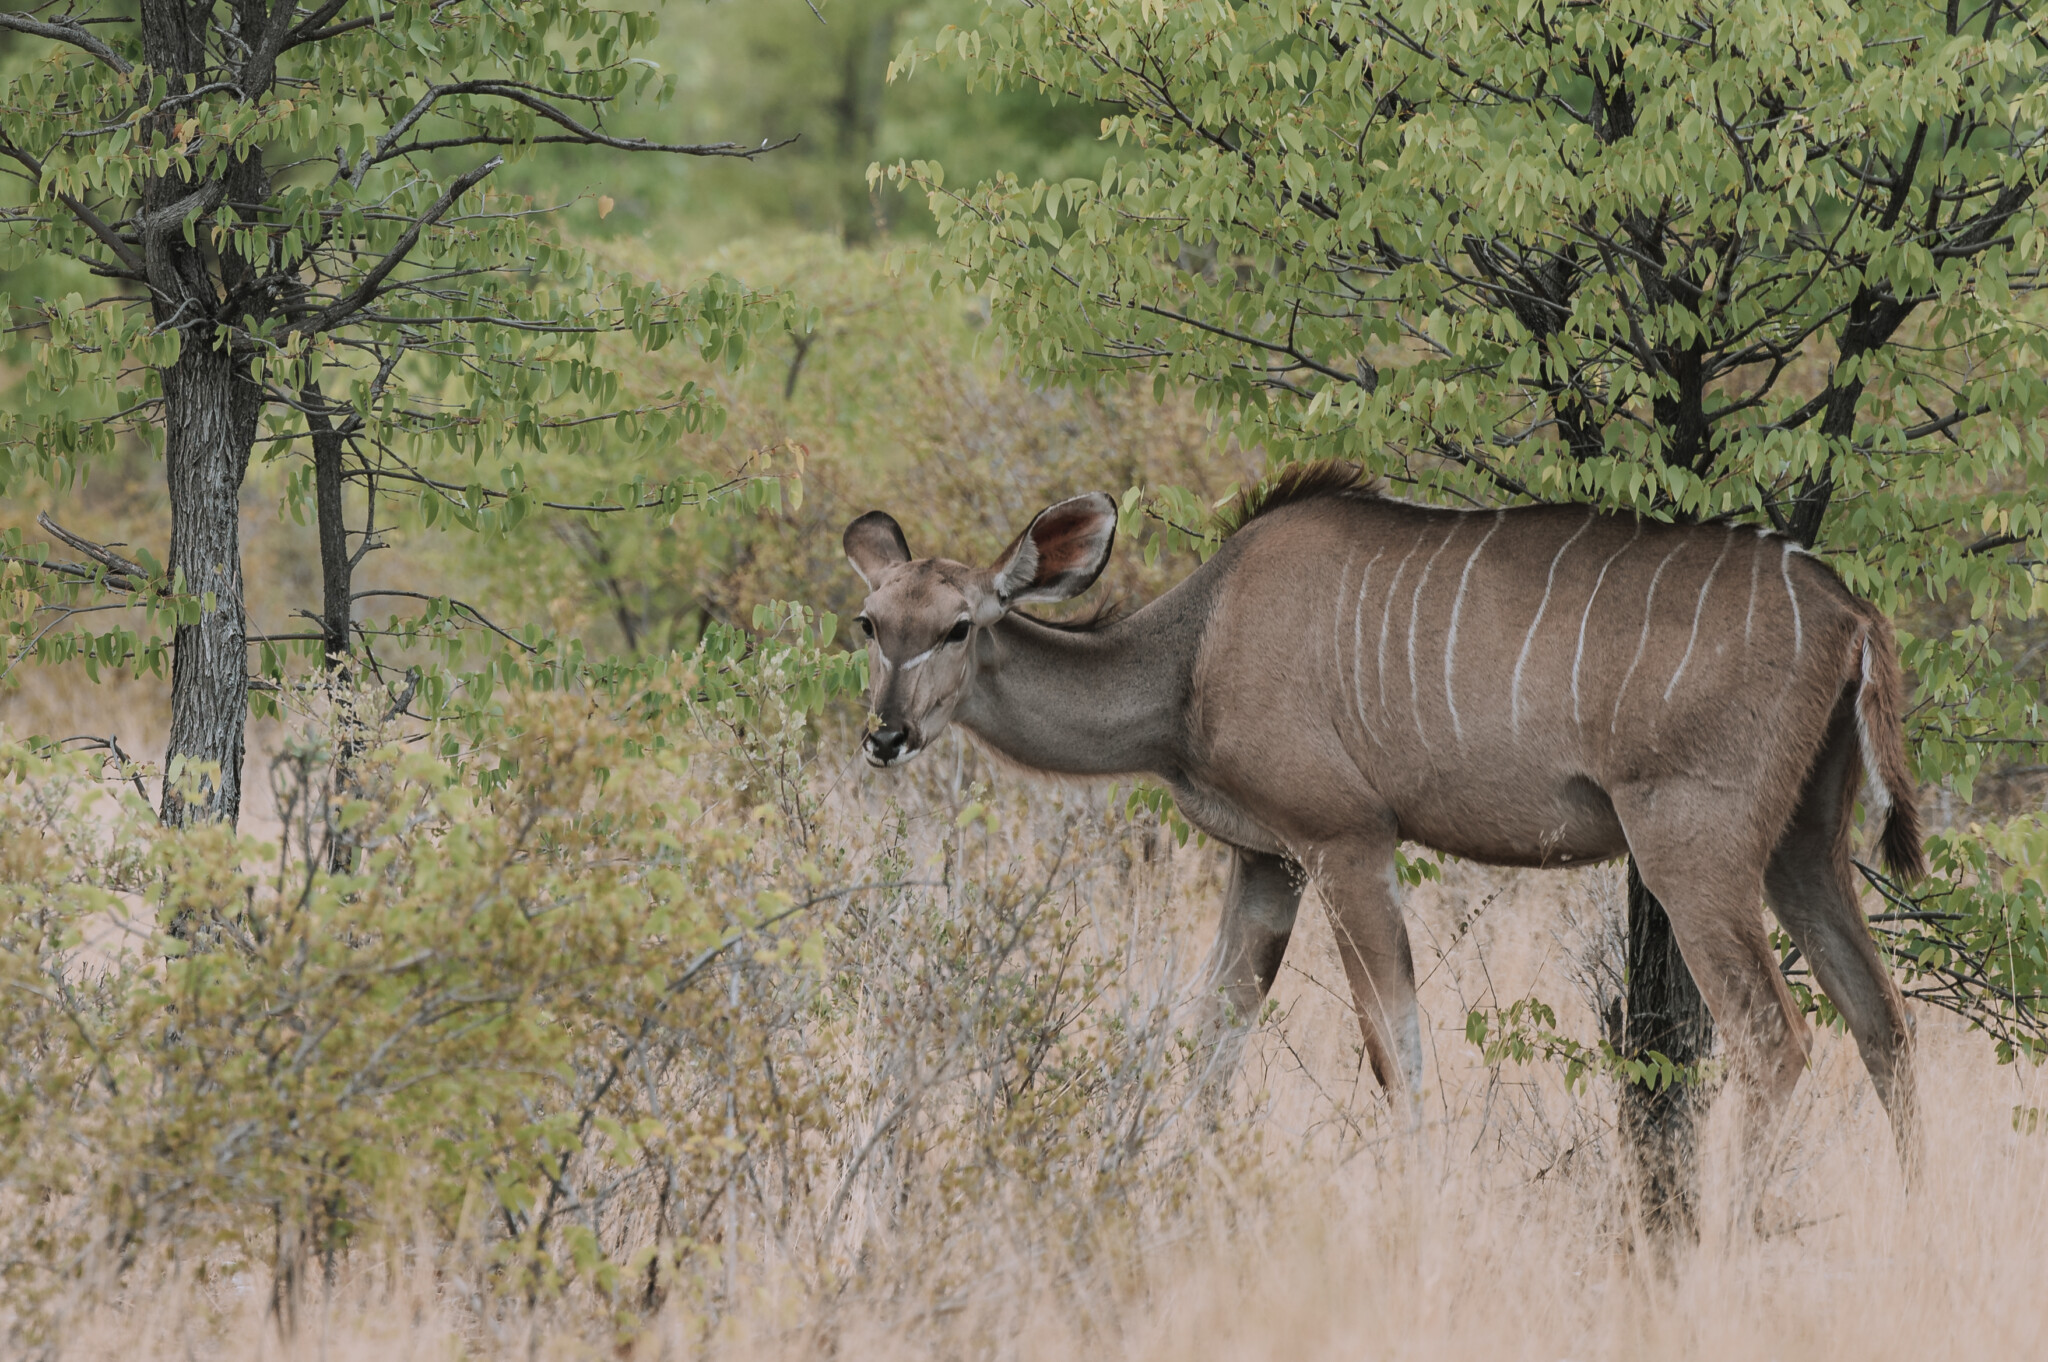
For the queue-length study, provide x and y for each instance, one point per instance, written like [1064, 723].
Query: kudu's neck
[1109, 701]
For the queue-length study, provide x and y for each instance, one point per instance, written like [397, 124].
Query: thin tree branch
[465, 606]
[66, 31]
[79, 209]
[341, 310]
[99, 553]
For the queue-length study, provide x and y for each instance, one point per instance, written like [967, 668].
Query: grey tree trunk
[1664, 1012]
[210, 408]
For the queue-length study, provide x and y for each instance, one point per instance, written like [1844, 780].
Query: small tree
[1772, 264]
[291, 206]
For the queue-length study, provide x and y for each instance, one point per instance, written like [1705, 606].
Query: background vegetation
[629, 1010]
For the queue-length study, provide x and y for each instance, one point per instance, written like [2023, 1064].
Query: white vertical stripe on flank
[1337, 622]
[1521, 658]
[1387, 614]
[1415, 613]
[1785, 570]
[1756, 559]
[1451, 639]
[1579, 654]
[1698, 606]
[1642, 639]
[1358, 647]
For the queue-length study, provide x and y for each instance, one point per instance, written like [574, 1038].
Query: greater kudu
[1543, 686]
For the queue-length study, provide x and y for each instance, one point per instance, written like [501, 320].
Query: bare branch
[483, 139]
[66, 31]
[313, 27]
[506, 90]
[455, 604]
[99, 553]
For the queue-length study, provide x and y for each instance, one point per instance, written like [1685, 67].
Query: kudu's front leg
[1258, 917]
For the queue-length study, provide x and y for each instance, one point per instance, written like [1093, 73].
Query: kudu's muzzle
[890, 747]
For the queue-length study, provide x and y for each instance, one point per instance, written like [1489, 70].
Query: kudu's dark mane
[1296, 483]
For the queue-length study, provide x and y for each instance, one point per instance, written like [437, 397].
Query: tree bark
[337, 582]
[210, 407]
[336, 572]
[1664, 1013]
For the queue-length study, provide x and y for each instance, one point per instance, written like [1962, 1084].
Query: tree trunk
[209, 424]
[336, 572]
[337, 582]
[211, 405]
[1664, 1013]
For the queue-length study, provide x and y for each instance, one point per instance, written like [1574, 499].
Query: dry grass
[1310, 1227]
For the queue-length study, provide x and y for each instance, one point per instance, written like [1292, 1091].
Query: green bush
[608, 1009]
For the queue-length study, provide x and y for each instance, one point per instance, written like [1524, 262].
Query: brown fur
[1882, 701]
[1541, 686]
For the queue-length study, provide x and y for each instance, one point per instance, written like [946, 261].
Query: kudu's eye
[958, 633]
[867, 626]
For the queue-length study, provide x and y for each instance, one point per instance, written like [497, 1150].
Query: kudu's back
[1499, 682]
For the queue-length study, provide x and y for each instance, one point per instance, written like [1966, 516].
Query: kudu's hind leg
[1258, 917]
[1711, 888]
[1811, 886]
[1357, 880]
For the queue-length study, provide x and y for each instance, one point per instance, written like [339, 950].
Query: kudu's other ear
[873, 543]
[1060, 555]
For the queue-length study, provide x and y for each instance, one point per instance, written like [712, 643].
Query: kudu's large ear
[873, 543]
[1059, 555]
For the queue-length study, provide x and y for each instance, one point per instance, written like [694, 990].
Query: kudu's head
[922, 615]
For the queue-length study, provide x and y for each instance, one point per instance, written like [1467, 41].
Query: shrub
[615, 1012]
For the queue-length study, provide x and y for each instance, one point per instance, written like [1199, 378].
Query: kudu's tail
[1881, 733]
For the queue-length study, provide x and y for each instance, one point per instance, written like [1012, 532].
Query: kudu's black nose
[885, 744]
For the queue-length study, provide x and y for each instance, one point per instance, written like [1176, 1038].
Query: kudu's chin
[900, 758]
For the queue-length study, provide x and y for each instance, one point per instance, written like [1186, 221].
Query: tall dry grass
[940, 1218]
